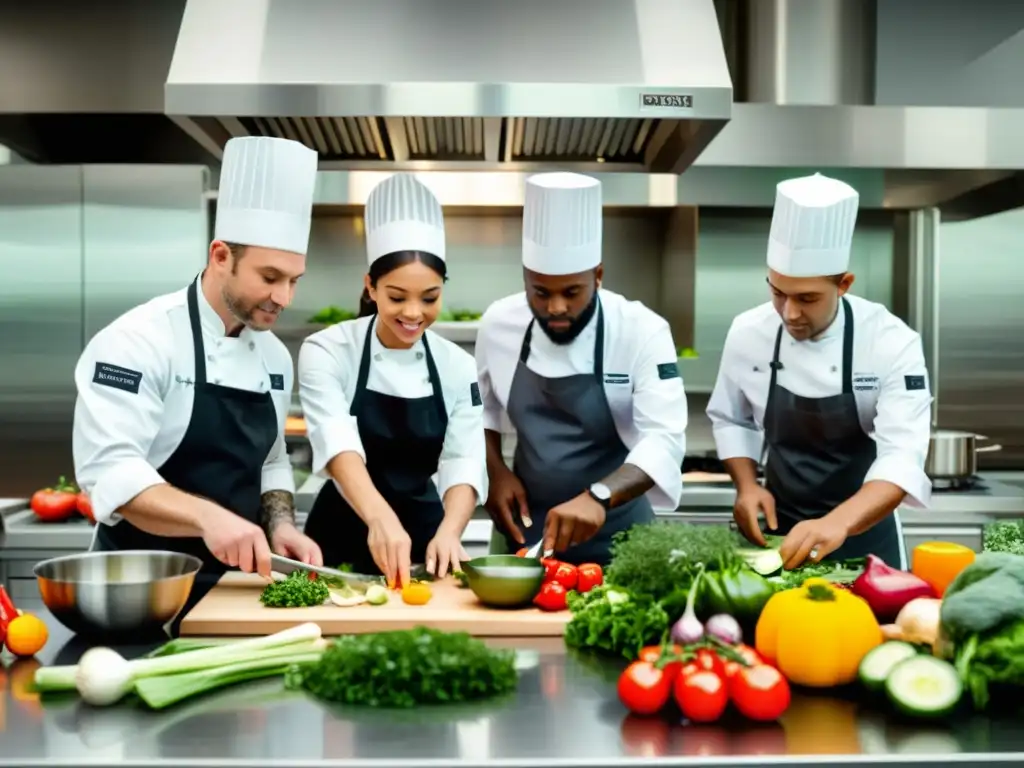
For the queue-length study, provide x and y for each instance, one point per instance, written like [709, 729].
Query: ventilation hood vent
[598, 85]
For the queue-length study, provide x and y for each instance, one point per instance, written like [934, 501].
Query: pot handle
[988, 448]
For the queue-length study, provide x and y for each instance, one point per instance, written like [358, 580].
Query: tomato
[566, 575]
[653, 653]
[751, 656]
[552, 597]
[55, 504]
[590, 575]
[705, 660]
[521, 552]
[84, 506]
[416, 593]
[760, 693]
[643, 688]
[701, 696]
[550, 566]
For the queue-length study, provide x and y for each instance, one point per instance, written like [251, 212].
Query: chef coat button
[378, 357]
[216, 381]
[210, 358]
[419, 355]
[834, 369]
[263, 385]
[252, 345]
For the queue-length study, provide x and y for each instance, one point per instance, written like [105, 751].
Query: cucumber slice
[924, 686]
[764, 562]
[879, 662]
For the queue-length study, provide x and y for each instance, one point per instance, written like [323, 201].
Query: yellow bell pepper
[939, 562]
[817, 634]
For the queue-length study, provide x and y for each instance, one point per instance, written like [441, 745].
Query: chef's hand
[812, 540]
[506, 498]
[289, 541]
[391, 548]
[750, 503]
[236, 542]
[573, 522]
[445, 550]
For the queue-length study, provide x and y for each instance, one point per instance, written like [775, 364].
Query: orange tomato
[26, 635]
[416, 593]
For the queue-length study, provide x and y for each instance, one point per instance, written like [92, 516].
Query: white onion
[725, 628]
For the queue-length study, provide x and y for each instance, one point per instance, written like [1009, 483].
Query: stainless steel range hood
[599, 85]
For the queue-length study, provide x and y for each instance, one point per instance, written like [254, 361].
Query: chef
[833, 384]
[389, 405]
[179, 422]
[587, 379]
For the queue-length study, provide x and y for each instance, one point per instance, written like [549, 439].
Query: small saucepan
[953, 455]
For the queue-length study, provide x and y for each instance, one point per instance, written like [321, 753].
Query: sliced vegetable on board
[296, 590]
[887, 589]
[940, 562]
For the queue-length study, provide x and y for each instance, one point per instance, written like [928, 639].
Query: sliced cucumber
[924, 686]
[762, 561]
[876, 666]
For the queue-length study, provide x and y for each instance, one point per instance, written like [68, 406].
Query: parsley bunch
[296, 591]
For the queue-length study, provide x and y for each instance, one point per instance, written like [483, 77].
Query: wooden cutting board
[233, 608]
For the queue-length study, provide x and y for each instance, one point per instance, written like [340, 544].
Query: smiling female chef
[838, 389]
[389, 404]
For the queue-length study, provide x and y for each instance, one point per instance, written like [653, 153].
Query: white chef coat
[120, 438]
[649, 411]
[893, 400]
[329, 368]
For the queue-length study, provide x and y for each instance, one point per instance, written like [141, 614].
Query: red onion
[725, 628]
[887, 589]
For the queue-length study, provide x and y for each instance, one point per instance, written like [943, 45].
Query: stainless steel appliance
[953, 455]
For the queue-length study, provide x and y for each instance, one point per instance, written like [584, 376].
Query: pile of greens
[1004, 536]
[612, 620]
[405, 668]
[982, 626]
[295, 591]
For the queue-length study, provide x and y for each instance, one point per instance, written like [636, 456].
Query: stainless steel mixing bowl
[130, 593]
[504, 581]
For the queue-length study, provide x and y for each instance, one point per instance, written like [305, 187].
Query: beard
[576, 324]
[244, 311]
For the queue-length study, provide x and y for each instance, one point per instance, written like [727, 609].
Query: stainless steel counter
[565, 713]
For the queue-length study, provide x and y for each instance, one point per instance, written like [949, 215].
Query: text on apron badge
[865, 382]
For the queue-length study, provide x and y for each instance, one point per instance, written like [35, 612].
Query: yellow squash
[817, 634]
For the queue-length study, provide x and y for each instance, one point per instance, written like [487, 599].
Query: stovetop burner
[972, 483]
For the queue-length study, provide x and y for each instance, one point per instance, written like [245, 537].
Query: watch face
[601, 490]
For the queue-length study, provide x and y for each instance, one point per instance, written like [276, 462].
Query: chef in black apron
[550, 360]
[191, 390]
[828, 488]
[390, 405]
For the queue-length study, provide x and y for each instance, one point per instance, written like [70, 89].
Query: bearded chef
[834, 385]
[179, 421]
[586, 378]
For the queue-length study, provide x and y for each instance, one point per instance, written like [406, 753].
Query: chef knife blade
[357, 581]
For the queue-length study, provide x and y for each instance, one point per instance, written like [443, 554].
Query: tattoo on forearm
[276, 507]
[627, 483]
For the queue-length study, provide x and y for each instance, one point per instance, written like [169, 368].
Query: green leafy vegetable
[1004, 536]
[613, 621]
[331, 315]
[407, 667]
[296, 591]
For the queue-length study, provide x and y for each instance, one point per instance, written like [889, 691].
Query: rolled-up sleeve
[736, 433]
[660, 416]
[464, 454]
[491, 406]
[903, 425]
[120, 380]
[330, 427]
[277, 468]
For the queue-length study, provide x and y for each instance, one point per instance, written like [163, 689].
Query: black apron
[402, 440]
[818, 456]
[220, 457]
[565, 441]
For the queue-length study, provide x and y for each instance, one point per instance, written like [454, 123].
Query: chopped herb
[613, 621]
[1004, 536]
[296, 591]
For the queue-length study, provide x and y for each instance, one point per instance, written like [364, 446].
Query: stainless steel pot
[953, 455]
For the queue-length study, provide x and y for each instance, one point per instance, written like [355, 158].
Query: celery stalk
[164, 690]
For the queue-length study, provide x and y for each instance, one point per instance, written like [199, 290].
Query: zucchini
[924, 686]
[764, 562]
[879, 662]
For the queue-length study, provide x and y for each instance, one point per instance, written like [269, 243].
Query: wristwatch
[602, 494]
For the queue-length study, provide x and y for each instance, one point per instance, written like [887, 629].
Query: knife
[359, 582]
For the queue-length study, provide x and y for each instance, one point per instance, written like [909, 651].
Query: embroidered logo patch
[914, 383]
[117, 377]
[474, 394]
[668, 371]
[277, 381]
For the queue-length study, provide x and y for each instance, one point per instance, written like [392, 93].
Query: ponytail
[367, 306]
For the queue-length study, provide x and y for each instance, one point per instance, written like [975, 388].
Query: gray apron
[818, 456]
[566, 441]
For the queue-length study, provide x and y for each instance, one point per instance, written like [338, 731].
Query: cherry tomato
[643, 688]
[653, 654]
[550, 566]
[566, 575]
[57, 503]
[752, 657]
[705, 660]
[701, 696]
[84, 505]
[552, 597]
[760, 693]
[590, 575]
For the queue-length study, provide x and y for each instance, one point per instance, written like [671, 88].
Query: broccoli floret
[986, 595]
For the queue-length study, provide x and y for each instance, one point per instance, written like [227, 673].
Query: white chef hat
[561, 223]
[812, 227]
[266, 193]
[402, 214]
